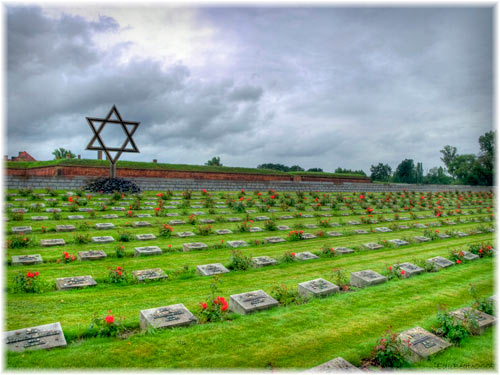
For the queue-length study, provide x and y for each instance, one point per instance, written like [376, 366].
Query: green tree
[437, 176]
[405, 172]
[448, 158]
[60, 153]
[214, 162]
[344, 170]
[274, 167]
[486, 158]
[419, 173]
[466, 169]
[315, 170]
[380, 172]
[296, 168]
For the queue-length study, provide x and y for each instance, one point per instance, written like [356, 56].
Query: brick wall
[77, 182]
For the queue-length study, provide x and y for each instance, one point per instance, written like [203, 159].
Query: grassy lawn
[292, 337]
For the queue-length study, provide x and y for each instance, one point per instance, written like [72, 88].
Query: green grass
[294, 337]
[173, 167]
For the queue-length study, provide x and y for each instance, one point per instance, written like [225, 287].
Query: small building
[23, 156]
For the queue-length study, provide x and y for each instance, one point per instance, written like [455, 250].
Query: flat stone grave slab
[145, 237]
[421, 239]
[338, 364]
[207, 221]
[306, 255]
[65, 283]
[238, 243]
[274, 239]
[246, 303]
[146, 202]
[194, 246]
[117, 208]
[185, 234]
[52, 242]
[365, 278]
[255, 229]
[224, 206]
[440, 262]
[450, 222]
[150, 274]
[360, 231]
[65, 228]
[39, 218]
[419, 217]
[147, 250]
[410, 269]
[103, 239]
[198, 213]
[310, 226]
[372, 246]
[374, 221]
[166, 317]
[461, 234]
[142, 215]
[52, 209]
[421, 226]
[283, 227]
[334, 234]
[353, 222]
[334, 224]
[176, 222]
[224, 231]
[91, 255]
[482, 320]
[308, 236]
[170, 207]
[233, 219]
[84, 209]
[325, 215]
[470, 256]
[21, 260]
[261, 218]
[398, 242]
[263, 261]
[24, 210]
[285, 217]
[272, 210]
[383, 229]
[104, 225]
[40, 337]
[211, 269]
[388, 219]
[196, 206]
[343, 250]
[110, 216]
[317, 288]
[403, 227]
[24, 229]
[422, 343]
[140, 224]
[172, 214]
[404, 218]
[20, 199]
[344, 214]
[307, 215]
[443, 235]
[75, 217]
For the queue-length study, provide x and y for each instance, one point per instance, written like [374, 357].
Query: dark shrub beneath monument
[110, 185]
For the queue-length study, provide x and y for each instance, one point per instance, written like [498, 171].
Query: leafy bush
[288, 257]
[238, 261]
[216, 308]
[67, 257]
[482, 304]
[28, 283]
[118, 276]
[104, 326]
[295, 235]
[124, 236]
[19, 241]
[81, 238]
[17, 216]
[390, 351]
[204, 230]
[286, 296]
[482, 249]
[271, 225]
[327, 252]
[340, 279]
[120, 251]
[450, 328]
[165, 231]
[244, 226]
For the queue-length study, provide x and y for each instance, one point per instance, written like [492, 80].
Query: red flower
[66, 255]
[458, 261]
[390, 268]
[402, 272]
[119, 273]
[29, 274]
[119, 268]
[272, 196]
[204, 191]
[224, 306]
[204, 304]
[36, 273]
[480, 251]
[72, 257]
[242, 190]
[109, 319]
[221, 241]
[293, 254]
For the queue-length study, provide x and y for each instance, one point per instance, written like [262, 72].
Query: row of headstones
[423, 343]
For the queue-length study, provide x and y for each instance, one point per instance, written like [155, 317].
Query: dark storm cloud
[322, 87]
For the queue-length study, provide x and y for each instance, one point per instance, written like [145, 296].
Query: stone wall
[76, 182]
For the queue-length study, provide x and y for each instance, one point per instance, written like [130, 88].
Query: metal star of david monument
[129, 128]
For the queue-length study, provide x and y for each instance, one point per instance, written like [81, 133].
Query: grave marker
[481, 319]
[52, 242]
[194, 246]
[211, 269]
[274, 239]
[410, 269]
[440, 262]
[317, 288]
[65, 228]
[246, 303]
[65, 283]
[335, 365]
[103, 239]
[185, 234]
[306, 255]
[263, 261]
[40, 337]
[91, 255]
[166, 317]
[238, 243]
[342, 250]
[24, 230]
[422, 343]
[150, 274]
[104, 225]
[224, 231]
[372, 246]
[21, 260]
[145, 237]
[147, 250]
[365, 278]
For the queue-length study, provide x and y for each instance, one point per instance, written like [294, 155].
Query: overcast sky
[318, 87]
